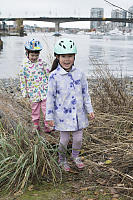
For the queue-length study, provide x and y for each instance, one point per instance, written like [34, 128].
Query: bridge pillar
[1, 44]
[20, 27]
[57, 26]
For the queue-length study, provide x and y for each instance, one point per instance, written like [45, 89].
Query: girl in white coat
[68, 101]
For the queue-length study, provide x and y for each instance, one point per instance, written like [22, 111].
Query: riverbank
[12, 85]
[9, 84]
[106, 150]
[11, 34]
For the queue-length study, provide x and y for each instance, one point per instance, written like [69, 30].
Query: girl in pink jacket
[34, 82]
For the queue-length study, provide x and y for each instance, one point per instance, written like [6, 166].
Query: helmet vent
[64, 47]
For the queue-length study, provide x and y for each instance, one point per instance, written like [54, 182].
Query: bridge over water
[58, 20]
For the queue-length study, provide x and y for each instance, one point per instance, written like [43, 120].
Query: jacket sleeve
[86, 95]
[23, 85]
[51, 95]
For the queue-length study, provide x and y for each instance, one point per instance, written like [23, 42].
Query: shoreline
[12, 85]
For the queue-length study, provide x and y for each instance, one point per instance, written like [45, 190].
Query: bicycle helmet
[65, 46]
[33, 45]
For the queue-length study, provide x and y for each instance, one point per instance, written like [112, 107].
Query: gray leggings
[76, 145]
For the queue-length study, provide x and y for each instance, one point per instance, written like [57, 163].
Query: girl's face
[33, 56]
[66, 60]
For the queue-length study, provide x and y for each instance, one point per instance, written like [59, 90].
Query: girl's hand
[50, 123]
[92, 116]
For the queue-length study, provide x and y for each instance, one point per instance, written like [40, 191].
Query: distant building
[123, 15]
[97, 13]
[130, 15]
[118, 14]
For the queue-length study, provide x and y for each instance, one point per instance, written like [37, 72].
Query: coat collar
[62, 71]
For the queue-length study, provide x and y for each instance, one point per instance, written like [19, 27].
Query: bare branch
[118, 7]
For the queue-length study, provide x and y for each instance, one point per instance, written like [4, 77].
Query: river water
[117, 54]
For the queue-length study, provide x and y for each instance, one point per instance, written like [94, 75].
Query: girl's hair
[36, 52]
[30, 51]
[54, 65]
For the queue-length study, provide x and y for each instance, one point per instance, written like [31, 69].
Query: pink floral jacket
[34, 79]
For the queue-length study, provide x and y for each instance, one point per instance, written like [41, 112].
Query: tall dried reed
[109, 90]
[25, 160]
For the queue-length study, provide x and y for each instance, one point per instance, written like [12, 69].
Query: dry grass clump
[14, 109]
[112, 103]
[25, 160]
[109, 146]
[110, 91]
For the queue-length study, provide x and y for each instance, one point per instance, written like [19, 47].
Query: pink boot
[78, 163]
[65, 166]
[47, 130]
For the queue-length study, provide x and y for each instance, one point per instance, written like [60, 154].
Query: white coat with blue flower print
[68, 99]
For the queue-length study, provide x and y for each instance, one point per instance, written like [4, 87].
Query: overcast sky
[57, 8]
